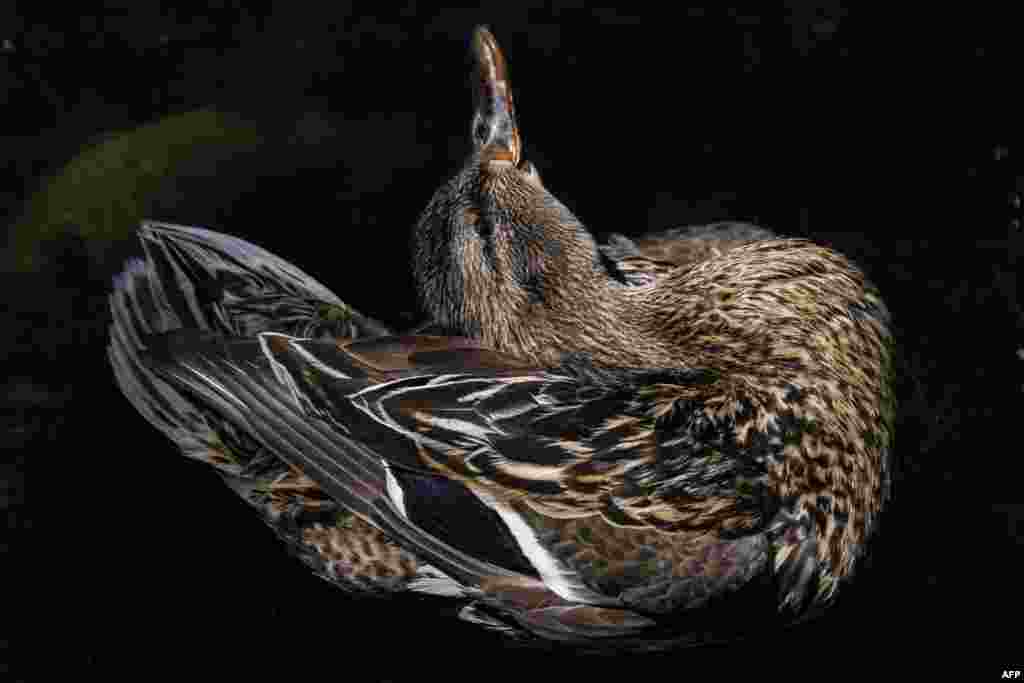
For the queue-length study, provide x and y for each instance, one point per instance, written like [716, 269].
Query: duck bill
[494, 130]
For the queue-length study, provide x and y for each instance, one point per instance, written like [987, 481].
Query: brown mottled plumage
[791, 330]
[619, 445]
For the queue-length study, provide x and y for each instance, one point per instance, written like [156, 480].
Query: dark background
[888, 137]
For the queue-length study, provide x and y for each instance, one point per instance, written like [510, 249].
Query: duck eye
[529, 169]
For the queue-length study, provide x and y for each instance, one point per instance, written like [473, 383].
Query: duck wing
[195, 279]
[612, 487]
[194, 283]
[460, 541]
[192, 278]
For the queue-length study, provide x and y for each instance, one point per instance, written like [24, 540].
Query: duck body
[635, 445]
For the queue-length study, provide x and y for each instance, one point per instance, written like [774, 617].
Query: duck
[636, 445]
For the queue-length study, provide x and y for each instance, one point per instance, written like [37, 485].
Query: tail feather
[195, 279]
[138, 314]
[205, 280]
[195, 283]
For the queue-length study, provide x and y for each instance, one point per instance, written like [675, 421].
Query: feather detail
[662, 441]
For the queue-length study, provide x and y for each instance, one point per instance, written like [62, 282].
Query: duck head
[495, 255]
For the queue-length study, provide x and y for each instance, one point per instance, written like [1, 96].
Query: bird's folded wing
[610, 497]
[234, 380]
[191, 278]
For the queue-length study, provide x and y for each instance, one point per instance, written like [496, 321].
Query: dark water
[877, 135]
